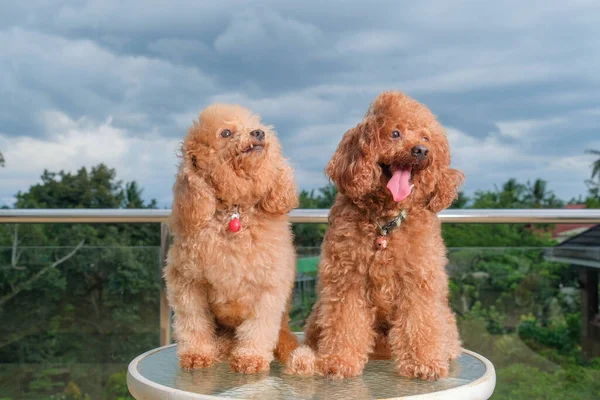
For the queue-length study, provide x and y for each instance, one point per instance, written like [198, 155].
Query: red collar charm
[234, 222]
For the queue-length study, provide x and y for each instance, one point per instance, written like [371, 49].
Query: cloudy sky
[515, 83]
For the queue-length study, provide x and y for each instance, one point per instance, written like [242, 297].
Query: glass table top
[379, 380]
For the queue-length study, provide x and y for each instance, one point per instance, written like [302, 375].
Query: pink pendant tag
[381, 242]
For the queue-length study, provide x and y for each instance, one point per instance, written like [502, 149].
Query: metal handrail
[528, 216]
[523, 216]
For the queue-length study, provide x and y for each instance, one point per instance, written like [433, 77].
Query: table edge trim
[140, 384]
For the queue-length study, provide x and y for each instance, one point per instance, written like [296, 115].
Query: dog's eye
[396, 134]
[226, 133]
[425, 139]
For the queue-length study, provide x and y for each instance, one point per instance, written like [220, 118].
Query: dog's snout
[259, 134]
[420, 152]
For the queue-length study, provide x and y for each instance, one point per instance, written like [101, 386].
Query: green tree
[86, 293]
[1, 160]
[512, 195]
[327, 196]
[595, 164]
[461, 201]
[538, 196]
[537, 193]
[592, 199]
[310, 236]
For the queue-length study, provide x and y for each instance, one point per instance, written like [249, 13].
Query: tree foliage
[308, 237]
[595, 164]
[77, 293]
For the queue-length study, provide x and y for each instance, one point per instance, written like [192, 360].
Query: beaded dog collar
[384, 230]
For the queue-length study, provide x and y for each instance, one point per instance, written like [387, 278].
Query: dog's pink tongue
[398, 183]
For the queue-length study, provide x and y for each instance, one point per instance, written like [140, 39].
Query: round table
[156, 375]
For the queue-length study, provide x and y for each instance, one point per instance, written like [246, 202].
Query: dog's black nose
[258, 134]
[420, 152]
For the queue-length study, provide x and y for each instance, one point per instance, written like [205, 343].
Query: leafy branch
[16, 252]
[595, 170]
[22, 286]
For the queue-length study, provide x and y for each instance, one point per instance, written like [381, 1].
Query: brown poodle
[383, 288]
[231, 267]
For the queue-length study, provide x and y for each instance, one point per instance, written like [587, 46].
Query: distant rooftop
[582, 249]
[563, 232]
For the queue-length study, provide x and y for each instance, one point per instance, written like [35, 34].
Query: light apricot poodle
[383, 288]
[231, 267]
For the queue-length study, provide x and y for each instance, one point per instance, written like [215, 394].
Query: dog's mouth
[252, 148]
[400, 179]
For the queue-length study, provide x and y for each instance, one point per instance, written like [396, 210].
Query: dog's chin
[249, 158]
[253, 149]
[250, 161]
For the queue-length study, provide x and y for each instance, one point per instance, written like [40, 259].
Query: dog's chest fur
[412, 257]
[237, 268]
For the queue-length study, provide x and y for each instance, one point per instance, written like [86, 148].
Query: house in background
[563, 232]
[582, 251]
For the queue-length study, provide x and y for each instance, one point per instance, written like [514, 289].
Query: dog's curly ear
[448, 180]
[193, 200]
[283, 196]
[352, 168]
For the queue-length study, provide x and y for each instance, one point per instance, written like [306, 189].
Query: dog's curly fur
[229, 290]
[392, 302]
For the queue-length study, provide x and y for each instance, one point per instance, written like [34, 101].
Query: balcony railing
[490, 216]
[301, 216]
[463, 263]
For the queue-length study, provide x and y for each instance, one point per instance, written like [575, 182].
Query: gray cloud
[514, 81]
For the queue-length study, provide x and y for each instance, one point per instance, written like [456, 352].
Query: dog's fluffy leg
[257, 337]
[419, 335]
[346, 322]
[193, 323]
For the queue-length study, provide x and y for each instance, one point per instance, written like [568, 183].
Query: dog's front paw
[430, 370]
[248, 363]
[334, 366]
[196, 359]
